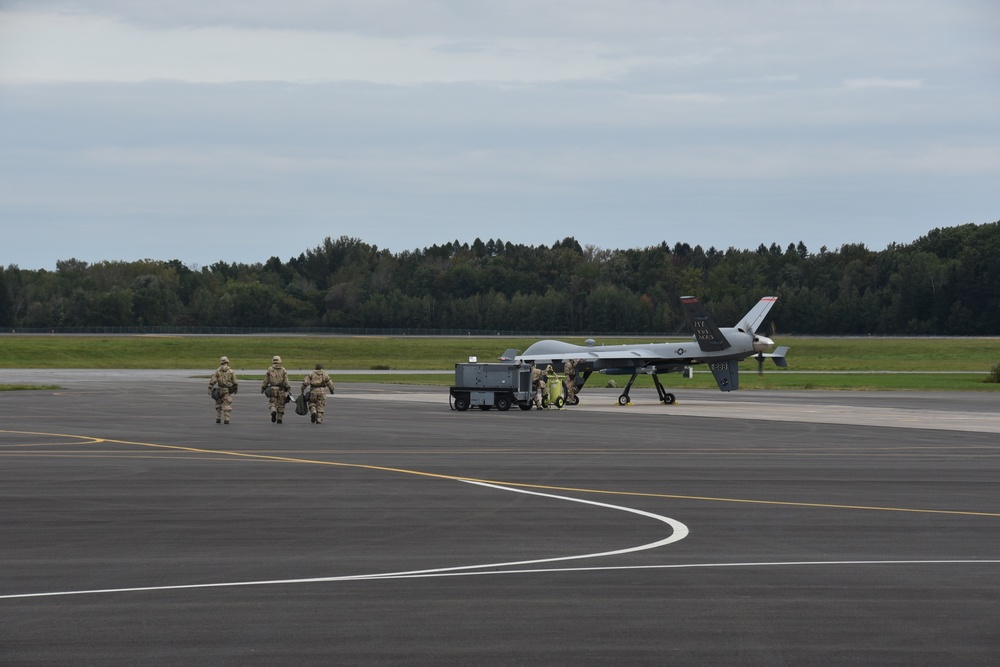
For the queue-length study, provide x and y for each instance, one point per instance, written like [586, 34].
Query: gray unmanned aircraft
[721, 349]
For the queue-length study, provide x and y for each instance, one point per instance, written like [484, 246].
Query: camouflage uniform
[569, 368]
[539, 383]
[225, 381]
[276, 378]
[317, 383]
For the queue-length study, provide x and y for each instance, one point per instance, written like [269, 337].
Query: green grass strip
[913, 364]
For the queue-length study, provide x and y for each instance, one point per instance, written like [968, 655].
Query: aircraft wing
[627, 356]
[630, 355]
[550, 350]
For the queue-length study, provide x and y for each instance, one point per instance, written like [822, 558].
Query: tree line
[944, 283]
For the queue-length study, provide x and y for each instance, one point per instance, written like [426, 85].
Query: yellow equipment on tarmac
[556, 398]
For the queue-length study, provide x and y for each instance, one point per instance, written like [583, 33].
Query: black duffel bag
[301, 405]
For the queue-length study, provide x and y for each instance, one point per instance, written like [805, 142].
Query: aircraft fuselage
[642, 355]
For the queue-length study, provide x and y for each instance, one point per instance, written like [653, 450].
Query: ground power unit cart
[488, 386]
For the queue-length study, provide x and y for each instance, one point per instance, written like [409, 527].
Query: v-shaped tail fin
[706, 332]
[756, 316]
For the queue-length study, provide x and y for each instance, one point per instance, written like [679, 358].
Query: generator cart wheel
[461, 403]
[485, 407]
[503, 403]
[524, 406]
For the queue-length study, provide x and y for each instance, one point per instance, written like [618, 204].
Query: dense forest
[944, 283]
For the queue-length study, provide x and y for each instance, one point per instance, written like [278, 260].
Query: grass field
[939, 364]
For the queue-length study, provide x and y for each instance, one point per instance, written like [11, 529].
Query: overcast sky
[236, 131]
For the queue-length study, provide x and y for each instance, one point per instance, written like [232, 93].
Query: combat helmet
[319, 367]
[223, 360]
[275, 359]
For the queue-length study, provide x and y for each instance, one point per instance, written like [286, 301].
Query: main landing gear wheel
[623, 399]
[575, 400]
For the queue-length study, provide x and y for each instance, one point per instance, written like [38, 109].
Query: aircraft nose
[762, 343]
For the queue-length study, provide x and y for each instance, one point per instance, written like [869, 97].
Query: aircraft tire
[669, 399]
[575, 400]
[623, 399]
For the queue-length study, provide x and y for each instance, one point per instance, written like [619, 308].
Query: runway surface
[756, 528]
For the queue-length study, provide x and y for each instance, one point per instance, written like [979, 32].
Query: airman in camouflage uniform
[225, 383]
[317, 383]
[569, 368]
[276, 380]
[540, 385]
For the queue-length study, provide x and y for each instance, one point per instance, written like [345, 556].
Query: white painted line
[688, 566]
[422, 574]
[679, 532]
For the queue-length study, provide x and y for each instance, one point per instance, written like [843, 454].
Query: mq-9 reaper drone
[721, 349]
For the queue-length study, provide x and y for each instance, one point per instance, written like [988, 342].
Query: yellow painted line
[564, 489]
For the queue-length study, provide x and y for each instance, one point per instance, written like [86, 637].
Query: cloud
[406, 42]
[884, 83]
[413, 122]
[74, 48]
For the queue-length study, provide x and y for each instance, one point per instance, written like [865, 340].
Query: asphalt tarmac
[753, 528]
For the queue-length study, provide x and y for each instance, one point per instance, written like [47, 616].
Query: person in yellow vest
[222, 387]
[316, 383]
[276, 387]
